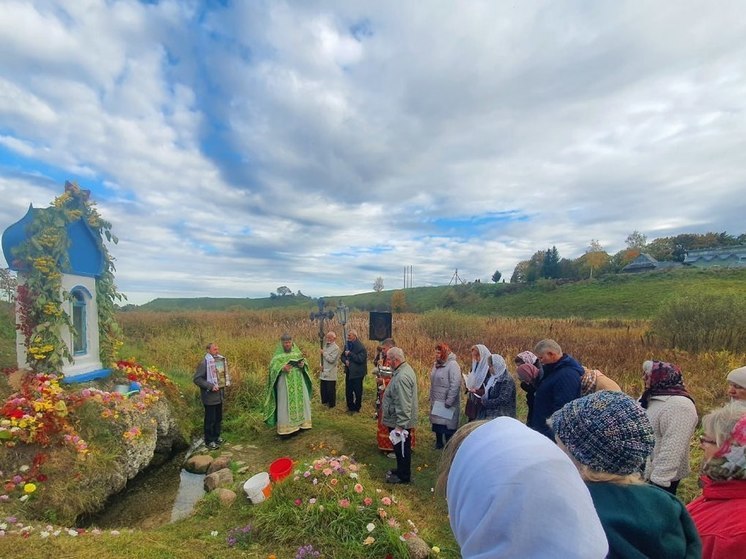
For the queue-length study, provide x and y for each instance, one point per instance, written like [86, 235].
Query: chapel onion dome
[84, 253]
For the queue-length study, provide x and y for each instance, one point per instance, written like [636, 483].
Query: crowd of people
[592, 473]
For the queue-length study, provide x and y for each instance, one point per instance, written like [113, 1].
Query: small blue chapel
[86, 264]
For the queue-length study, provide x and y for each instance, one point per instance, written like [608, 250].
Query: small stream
[153, 498]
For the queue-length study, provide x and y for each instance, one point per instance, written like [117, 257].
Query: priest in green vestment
[287, 403]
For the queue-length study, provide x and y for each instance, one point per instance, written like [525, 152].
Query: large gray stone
[217, 479]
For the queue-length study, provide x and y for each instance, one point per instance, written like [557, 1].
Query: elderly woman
[720, 513]
[499, 390]
[512, 492]
[737, 384]
[673, 415]
[529, 373]
[475, 381]
[608, 436]
[445, 389]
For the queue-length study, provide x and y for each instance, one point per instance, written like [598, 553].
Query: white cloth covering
[512, 493]
[479, 369]
[499, 371]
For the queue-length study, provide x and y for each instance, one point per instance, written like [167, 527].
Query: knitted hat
[738, 376]
[605, 431]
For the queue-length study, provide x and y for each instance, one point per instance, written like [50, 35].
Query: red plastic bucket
[280, 468]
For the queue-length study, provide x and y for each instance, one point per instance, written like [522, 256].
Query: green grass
[633, 296]
[282, 526]
[7, 336]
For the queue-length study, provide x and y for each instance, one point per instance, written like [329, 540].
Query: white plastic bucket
[258, 488]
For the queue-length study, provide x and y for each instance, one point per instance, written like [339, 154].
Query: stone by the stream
[219, 463]
[216, 479]
[244, 469]
[226, 496]
[198, 464]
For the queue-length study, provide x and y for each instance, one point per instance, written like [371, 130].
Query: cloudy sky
[240, 146]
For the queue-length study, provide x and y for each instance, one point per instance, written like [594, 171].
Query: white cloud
[321, 144]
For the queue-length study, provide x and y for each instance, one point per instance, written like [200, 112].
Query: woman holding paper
[445, 389]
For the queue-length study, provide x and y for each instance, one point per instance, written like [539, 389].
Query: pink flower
[367, 501]
[298, 502]
[358, 488]
[307, 474]
[327, 471]
[344, 503]
[386, 501]
[353, 467]
[334, 481]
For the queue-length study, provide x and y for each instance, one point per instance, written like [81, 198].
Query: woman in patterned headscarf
[720, 513]
[445, 394]
[674, 417]
[499, 390]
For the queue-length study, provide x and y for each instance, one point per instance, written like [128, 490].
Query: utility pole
[455, 279]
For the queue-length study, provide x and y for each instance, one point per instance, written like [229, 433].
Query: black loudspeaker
[380, 326]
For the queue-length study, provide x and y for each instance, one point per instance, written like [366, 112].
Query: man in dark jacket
[355, 359]
[212, 377]
[560, 384]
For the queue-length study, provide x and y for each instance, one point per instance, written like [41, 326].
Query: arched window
[80, 345]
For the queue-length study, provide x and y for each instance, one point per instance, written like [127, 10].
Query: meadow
[174, 342]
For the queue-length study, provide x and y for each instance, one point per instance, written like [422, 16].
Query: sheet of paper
[440, 409]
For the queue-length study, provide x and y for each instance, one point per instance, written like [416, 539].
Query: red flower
[41, 477]
[15, 414]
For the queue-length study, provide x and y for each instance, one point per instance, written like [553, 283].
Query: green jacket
[644, 521]
[400, 399]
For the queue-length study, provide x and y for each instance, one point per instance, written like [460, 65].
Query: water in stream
[153, 498]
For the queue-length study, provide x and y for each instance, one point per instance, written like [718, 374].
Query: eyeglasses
[705, 440]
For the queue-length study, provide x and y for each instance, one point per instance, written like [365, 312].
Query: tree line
[596, 261]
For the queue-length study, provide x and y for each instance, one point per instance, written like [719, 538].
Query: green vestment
[287, 403]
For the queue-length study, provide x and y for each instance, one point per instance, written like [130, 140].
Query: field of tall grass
[175, 341]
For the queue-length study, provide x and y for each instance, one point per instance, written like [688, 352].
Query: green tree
[520, 272]
[8, 284]
[636, 240]
[550, 265]
[496, 276]
[284, 290]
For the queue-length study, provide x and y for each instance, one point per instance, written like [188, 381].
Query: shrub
[702, 322]
[453, 326]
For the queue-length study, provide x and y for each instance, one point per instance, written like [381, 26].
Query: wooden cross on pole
[321, 316]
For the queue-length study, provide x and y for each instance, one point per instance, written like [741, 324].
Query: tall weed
[703, 322]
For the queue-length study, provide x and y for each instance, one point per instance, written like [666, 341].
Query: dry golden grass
[175, 341]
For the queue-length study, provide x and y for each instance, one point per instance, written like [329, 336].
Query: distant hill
[611, 296]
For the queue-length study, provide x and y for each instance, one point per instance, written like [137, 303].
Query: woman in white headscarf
[512, 493]
[499, 390]
[475, 381]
